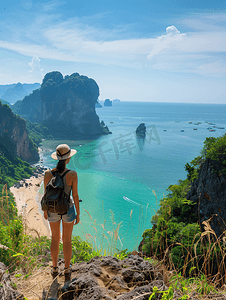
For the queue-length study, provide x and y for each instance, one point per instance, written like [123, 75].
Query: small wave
[131, 201]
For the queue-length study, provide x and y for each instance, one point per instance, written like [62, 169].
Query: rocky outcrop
[208, 192]
[141, 129]
[14, 136]
[103, 278]
[69, 104]
[107, 102]
[6, 286]
[109, 278]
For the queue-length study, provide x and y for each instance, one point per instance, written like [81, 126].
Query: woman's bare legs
[55, 228]
[67, 248]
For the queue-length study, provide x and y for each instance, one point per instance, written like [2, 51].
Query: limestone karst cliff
[208, 192]
[66, 105]
[13, 134]
[30, 107]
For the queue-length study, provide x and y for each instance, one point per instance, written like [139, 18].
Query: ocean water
[122, 177]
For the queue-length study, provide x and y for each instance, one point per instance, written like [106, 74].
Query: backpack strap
[62, 176]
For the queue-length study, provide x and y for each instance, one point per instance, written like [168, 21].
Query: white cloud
[35, 64]
[71, 40]
[216, 69]
[171, 40]
[172, 31]
[52, 5]
[36, 70]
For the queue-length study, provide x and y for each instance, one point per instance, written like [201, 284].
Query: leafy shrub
[11, 240]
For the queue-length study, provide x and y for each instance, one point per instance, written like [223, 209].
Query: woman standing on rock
[63, 154]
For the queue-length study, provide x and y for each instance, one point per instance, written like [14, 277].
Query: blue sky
[158, 51]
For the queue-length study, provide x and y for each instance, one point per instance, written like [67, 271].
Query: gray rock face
[209, 194]
[109, 278]
[14, 129]
[6, 290]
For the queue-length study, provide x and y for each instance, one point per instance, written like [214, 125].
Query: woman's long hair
[60, 167]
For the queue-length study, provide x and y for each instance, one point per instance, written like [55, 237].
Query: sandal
[67, 274]
[54, 272]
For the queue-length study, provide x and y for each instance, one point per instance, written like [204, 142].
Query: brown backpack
[55, 199]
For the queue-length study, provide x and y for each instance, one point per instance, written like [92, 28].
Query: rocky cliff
[30, 107]
[66, 105]
[208, 192]
[13, 134]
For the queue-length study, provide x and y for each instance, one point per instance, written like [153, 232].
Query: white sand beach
[26, 197]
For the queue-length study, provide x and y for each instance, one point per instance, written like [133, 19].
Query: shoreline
[27, 197]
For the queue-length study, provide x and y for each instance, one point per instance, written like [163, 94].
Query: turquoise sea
[119, 172]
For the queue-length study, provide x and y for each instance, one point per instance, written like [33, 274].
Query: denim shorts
[69, 217]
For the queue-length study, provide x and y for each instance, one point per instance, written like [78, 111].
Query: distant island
[116, 101]
[107, 102]
[68, 100]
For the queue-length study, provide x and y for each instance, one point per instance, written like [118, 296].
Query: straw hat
[62, 152]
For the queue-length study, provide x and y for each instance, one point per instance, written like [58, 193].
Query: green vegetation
[176, 237]
[185, 287]
[214, 149]
[19, 250]
[37, 132]
[8, 209]
[6, 111]
[29, 107]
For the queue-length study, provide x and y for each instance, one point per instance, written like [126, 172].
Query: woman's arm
[47, 177]
[75, 195]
